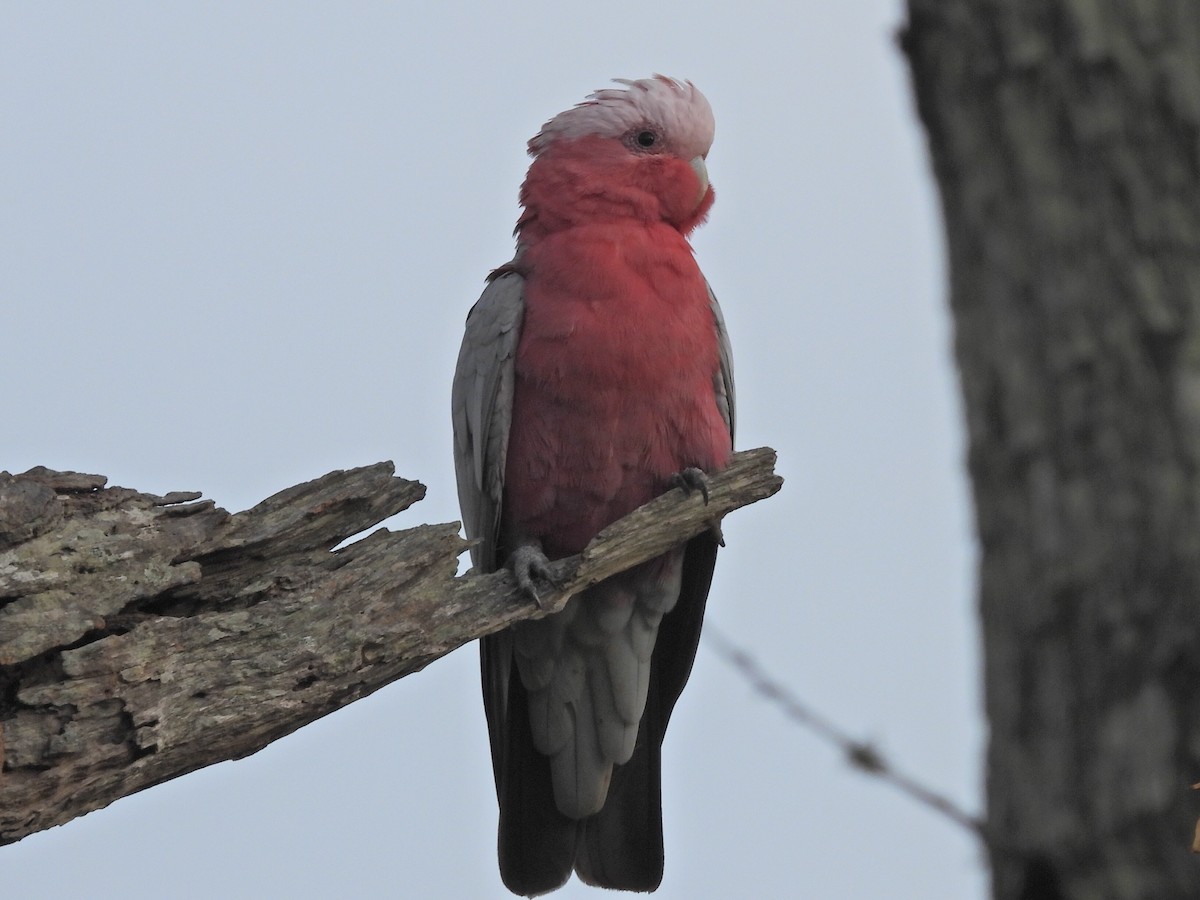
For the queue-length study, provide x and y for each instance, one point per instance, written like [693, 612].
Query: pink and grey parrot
[595, 374]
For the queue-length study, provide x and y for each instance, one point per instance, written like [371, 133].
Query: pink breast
[615, 382]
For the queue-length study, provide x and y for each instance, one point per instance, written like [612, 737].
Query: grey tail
[536, 843]
[621, 846]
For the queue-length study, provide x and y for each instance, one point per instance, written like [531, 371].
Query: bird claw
[528, 563]
[714, 529]
[691, 479]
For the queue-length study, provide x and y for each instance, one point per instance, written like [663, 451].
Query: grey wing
[724, 384]
[481, 404]
[536, 842]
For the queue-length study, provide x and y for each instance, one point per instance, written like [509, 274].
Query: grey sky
[237, 245]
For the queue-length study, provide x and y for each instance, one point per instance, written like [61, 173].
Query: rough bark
[1065, 137]
[144, 637]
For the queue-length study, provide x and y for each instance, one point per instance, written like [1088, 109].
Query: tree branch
[144, 637]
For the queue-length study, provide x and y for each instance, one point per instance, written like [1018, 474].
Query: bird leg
[714, 528]
[529, 562]
[691, 479]
[694, 479]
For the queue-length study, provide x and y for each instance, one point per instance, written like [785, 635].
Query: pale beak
[701, 171]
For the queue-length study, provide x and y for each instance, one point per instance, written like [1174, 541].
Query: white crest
[675, 107]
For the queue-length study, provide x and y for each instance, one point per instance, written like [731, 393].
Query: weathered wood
[1065, 138]
[144, 637]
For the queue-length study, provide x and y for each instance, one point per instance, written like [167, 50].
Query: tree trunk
[144, 637]
[1065, 137]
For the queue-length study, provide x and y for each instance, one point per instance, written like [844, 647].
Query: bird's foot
[714, 529]
[691, 479]
[528, 563]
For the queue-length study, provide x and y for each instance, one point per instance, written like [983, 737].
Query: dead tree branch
[144, 637]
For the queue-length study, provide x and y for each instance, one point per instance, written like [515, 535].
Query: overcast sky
[237, 245]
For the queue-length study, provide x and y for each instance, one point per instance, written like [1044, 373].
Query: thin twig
[860, 754]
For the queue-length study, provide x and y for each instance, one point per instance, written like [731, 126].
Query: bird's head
[632, 152]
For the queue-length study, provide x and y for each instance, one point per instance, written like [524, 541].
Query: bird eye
[646, 139]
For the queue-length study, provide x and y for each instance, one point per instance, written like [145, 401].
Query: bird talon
[714, 528]
[691, 479]
[528, 563]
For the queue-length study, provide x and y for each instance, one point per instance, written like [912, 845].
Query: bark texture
[1065, 137]
[144, 637]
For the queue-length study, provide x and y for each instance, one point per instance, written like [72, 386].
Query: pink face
[637, 152]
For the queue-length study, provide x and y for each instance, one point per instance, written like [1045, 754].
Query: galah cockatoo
[595, 374]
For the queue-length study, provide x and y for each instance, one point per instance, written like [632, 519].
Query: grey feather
[724, 386]
[481, 408]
